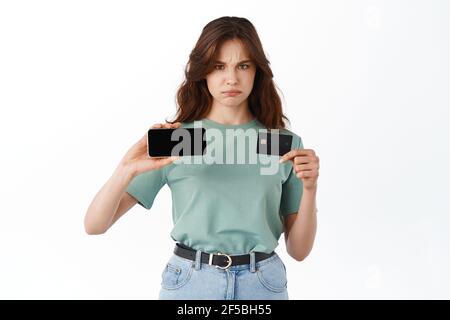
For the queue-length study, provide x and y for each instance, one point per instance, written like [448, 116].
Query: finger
[142, 139]
[285, 156]
[168, 160]
[301, 167]
[302, 174]
[176, 125]
[142, 142]
[301, 159]
[172, 158]
[297, 152]
[159, 162]
[156, 126]
[169, 125]
[308, 174]
[291, 154]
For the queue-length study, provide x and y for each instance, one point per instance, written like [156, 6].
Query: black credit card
[176, 142]
[273, 143]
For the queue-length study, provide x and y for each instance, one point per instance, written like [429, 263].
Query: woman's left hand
[305, 164]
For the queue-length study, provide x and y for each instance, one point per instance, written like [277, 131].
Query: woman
[227, 216]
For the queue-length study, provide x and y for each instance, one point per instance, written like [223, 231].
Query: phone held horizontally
[273, 143]
[176, 142]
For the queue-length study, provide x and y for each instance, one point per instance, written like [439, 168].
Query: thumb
[168, 160]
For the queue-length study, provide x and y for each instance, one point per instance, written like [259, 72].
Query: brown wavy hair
[193, 98]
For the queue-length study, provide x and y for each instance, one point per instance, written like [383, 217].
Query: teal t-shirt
[231, 199]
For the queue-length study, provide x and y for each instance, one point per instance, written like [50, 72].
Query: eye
[218, 67]
[244, 66]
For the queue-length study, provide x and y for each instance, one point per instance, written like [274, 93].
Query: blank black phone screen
[183, 142]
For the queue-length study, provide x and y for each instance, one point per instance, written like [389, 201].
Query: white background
[364, 83]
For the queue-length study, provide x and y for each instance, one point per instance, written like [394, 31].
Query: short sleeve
[292, 190]
[145, 186]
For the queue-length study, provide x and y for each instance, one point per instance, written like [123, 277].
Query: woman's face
[232, 71]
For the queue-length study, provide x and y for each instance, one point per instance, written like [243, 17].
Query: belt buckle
[229, 261]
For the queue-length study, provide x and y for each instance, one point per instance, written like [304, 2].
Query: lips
[232, 91]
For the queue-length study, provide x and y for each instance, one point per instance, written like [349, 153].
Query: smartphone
[176, 142]
[273, 143]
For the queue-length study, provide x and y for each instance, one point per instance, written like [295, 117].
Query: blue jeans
[192, 280]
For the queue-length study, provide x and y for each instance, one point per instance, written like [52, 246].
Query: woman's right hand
[137, 161]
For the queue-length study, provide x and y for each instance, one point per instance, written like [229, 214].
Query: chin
[231, 102]
[231, 105]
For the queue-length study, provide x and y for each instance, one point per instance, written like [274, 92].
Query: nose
[231, 77]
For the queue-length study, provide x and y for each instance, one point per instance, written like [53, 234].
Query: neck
[230, 115]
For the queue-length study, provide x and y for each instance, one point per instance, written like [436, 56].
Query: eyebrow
[240, 62]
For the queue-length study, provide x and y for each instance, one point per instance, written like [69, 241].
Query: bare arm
[112, 201]
[300, 229]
